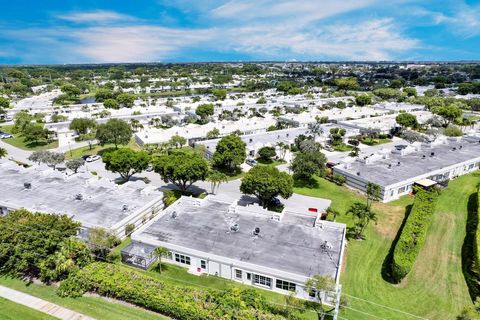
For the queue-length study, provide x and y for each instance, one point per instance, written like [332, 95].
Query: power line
[386, 307]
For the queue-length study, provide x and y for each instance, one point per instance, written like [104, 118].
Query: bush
[413, 233]
[339, 179]
[471, 247]
[179, 302]
[113, 257]
[169, 197]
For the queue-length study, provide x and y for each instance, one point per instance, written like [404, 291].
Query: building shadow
[388, 261]
[470, 263]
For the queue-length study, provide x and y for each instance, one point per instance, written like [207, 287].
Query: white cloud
[98, 16]
[378, 39]
[287, 10]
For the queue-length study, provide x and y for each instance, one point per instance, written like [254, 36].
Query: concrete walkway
[41, 305]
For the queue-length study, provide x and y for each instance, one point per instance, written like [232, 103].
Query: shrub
[129, 229]
[169, 197]
[413, 233]
[178, 302]
[339, 179]
[471, 247]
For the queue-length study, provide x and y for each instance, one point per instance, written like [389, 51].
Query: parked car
[329, 148]
[251, 162]
[85, 157]
[275, 201]
[4, 135]
[93, 158]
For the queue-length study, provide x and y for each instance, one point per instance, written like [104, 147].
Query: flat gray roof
[292, 245]
[271, 137]
[54, 192]
[414, 164]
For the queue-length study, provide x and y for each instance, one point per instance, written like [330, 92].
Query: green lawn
[97, 149]
[342, 147]
[13, 311]
[18, 141]
[374, 142]
[271, 163]
[95, 307]
[435, 288]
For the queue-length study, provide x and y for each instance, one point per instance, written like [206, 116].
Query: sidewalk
[41, 305]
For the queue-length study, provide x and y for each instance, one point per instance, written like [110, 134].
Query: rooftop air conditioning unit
[256, 232]
[79, 196]
[235, 227]
[27, 185]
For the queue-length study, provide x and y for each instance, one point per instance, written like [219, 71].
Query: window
[203, 264]
[262, 280]
[312, 293]
[285, 285]
[401, 190]
[249, 276]
[238, 274]
[182, 259]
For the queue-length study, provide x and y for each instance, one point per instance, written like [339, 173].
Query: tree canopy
[115, 131]
[266, 182]
[126, 162]
[407, 120]
[82, 125]
[307, 164]
[182, 169]
[230, 152]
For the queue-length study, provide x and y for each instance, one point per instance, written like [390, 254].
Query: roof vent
[398, 163]
[454, 148]
[389, 166]
[256, 232]
[78, 196]
[174, 215]
[124, 207]
[432, 154]
[358, 173]
[423, 157]
[27, 185]
[325, 245]
[460, 147]
[235, 227]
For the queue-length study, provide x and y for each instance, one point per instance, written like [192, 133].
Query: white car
[93, 158]
[5, 136]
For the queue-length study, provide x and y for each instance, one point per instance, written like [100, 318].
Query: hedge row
[471, 247]
[413, 233]
[175, 301]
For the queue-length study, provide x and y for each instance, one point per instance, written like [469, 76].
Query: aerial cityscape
[240, 160]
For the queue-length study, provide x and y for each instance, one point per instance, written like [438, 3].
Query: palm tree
[216, 178]
[362, 215]
[3, 153]
[160, 252]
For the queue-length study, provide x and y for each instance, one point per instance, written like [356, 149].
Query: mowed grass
[13, 311]
[19, 142]
[96, 307]
[435, 288]
[97, 149]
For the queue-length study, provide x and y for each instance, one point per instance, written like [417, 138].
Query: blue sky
[89, 31]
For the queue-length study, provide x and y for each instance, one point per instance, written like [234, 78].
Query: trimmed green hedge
[178, 302]
[471, 247]
[413, 233]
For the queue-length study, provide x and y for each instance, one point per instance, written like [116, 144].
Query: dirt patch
[389, 219]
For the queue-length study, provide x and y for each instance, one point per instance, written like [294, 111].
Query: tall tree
[181, 169]
[267, 182]
[230, 152]
[75, 164]
[82, 125]
[115, 131]
[177, 141]
[307, 164]
[362, 215]
[126, 162]
[216, 177]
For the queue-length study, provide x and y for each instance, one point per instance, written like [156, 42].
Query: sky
[115, 31]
